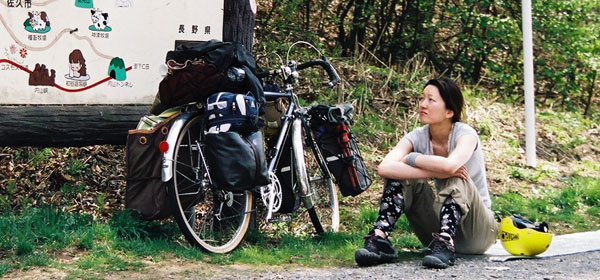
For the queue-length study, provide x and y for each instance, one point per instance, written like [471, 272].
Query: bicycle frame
[292, 124]
[216, 219]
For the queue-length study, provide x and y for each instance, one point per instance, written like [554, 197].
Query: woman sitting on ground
[454, 216]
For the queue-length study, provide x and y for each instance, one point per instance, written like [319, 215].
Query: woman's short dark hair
[451, 95]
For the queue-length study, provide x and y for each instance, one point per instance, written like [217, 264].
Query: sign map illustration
[95, 51]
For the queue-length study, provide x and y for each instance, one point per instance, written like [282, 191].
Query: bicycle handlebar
[334, 78]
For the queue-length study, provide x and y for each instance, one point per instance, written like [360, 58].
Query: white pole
[530, 134]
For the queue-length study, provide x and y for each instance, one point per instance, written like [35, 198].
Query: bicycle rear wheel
[321, 198]
[210, 218]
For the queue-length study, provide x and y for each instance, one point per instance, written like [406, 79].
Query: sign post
[530, 134]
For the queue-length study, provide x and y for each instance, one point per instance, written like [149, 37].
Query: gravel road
[578, 266]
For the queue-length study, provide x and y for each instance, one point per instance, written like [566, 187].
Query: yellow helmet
[521, 237]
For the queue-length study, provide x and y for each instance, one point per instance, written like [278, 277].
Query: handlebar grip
[334, 78]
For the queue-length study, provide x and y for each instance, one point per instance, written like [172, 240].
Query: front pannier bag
[286, 174]
[330, 125]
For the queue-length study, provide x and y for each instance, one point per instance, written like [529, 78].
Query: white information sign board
[95, 51]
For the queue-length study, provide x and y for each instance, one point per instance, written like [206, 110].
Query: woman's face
[432, 108]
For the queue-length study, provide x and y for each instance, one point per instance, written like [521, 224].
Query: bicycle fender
[300, 166]
[168, 157]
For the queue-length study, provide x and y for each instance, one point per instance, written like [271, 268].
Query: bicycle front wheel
[321, 198]
[210, 218]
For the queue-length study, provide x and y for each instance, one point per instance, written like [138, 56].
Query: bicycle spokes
[210, 218]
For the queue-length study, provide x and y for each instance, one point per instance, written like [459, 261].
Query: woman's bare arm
[465, 146]
[394, 167]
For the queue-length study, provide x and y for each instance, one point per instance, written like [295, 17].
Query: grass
[569, 209]
[34, 236]
[121, 242]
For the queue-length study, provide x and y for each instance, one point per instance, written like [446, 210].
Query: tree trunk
[238, 22]
[342, 13]
[359, 23]
[67, 126]
[386, 16]
[307, 15]
[590, 94]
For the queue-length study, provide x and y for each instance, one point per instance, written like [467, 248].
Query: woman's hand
[462, 173]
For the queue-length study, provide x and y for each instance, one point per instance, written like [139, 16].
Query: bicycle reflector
[163, 147]
[521, 237]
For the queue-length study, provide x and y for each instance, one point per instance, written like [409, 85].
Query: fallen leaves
[72, 178]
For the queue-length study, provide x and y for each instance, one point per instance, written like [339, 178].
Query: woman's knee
[459, 189]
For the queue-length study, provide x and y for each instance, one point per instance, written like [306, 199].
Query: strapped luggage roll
[195, 72]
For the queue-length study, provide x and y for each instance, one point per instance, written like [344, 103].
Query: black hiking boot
[377, 250]
[442, 252]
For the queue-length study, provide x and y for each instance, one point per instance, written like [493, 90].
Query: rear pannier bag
[234, 145]
[145, 192]
[339, 148]
[236, 163]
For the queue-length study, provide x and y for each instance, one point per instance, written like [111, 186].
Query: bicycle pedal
[285, 219]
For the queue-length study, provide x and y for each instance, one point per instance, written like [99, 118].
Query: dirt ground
[577, 266]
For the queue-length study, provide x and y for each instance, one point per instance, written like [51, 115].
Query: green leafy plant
[76, 167]
[24, 247]
[40, 156]
[4, 268]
